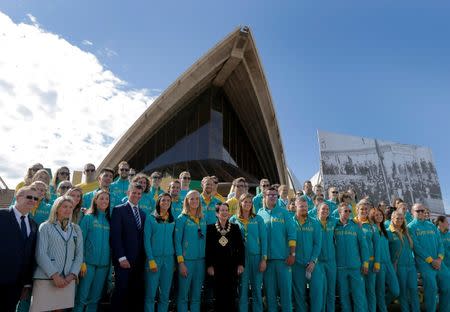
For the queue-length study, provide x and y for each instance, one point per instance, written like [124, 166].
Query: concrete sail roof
[234, 65]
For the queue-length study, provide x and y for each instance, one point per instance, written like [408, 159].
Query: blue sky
[375, 69]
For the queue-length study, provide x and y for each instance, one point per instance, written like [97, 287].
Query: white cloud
[87, 42]
[58, 104]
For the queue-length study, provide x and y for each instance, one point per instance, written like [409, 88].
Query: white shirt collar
[131, 205]
[18, 213]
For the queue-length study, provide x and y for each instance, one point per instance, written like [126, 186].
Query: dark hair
[389, 211]
[106, 169]
[220, 204]
[271, 188]
[94, 209]
[396, 200]
[343, 195]
[158, 208]
[316, 195]
[134, 185]
[140, 176]
[439, 220]
[372, 218]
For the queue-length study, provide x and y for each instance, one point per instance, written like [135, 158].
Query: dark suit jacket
[125, 238]
[17, 260]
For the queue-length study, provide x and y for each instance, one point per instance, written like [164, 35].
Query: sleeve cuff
[152, 264]
[180, 259]
[366, 264]
[292, 243]
[83, 267]
[372, 258]
[264, 258]
[376, 266]
[122, 259]
[441, 256]
[428, 260]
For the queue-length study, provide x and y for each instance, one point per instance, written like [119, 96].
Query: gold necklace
[223, 240]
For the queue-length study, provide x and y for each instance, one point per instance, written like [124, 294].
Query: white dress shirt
[18, 214]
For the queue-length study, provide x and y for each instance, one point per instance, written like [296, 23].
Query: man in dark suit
[17, 246]
[128, 254]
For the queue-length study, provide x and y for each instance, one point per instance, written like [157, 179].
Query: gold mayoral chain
[223, 240]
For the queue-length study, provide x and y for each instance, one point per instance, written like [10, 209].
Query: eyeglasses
[64, 173]
[200, 234]
[125, 169]
[64, 187]
[90, 170]
[32, 197]
[186, 178]
[420, 211]
[272, 195]
[156, 177]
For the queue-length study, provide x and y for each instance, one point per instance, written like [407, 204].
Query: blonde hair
[52, 218]
[36, 183]
[186, 204]
[239, 212]
[403, 227]
[38, 173]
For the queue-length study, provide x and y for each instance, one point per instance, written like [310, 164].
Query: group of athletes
[308, 252]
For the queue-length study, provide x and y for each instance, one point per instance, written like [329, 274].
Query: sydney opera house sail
[217, 118]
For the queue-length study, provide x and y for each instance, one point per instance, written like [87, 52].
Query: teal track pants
[278, 278]
[370, 282]
[329, 269]
[316, 288]
[386, 276]
[409, 294]
[435, 282]
[191, 286]
[90, 288]
[162, 280]
[351, 281]
[253, 278]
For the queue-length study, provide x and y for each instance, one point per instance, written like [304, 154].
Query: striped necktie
[137, 217]
[23, 227]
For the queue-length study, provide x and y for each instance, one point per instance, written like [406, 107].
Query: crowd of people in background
[119, 234]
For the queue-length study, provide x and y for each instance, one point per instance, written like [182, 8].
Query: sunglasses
[32, 197]
[335, 192]
[156, 177]
[125, 169]
[265, 185]
[272, 195]
[200, 234]
[64, 187]
[89, 170]
[186, 178]
[420, 211]
[64, 173]
[347, 211]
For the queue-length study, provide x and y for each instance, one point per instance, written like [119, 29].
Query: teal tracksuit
[313, 213]
[402, 259]
[177, 207]
[428, 246]
[374, 254]
[146, 203]
[283, 204]
[310, 201]
[309, 244]
[154, 193]
[446, 241]
[95, 231]
[408, 219]
[258, 202]
[351, 255]
[158, 242]
[190, 238]
[327, 259]
[119, 188]
[209, 208]
[335, 213]
[386, 274]
[254, 233]
[332, 205]
[42, 212]
[281, 234]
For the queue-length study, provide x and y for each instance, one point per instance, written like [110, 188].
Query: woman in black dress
[225, 258]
